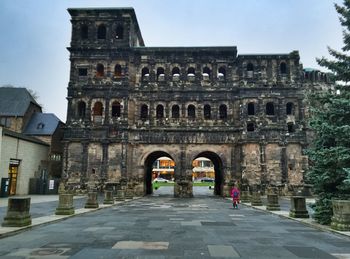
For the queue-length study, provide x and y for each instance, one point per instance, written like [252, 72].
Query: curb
[10, 231]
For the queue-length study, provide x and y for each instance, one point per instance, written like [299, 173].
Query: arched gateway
[178, 102]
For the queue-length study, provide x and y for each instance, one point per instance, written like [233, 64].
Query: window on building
[118, 70]
[100, 70]
[98, 109]
[145, 73]
[250, 70]
[283, 68]
[251, 108]
[81, 109]
[84, 32]
[160, 72]
[223, 112]
[144, 112]
[191, 112]
[270, 109]
[290, 108]
[119, 32]
[207, 112]
[116, 109]
[40, 125]
[175, 111]
[175, 71]
[291, 127]
[101, 32]
[6, 122]
[250, 126]
[191, 71]
[159, 111]
[82, 71]
[206, 71]
[222, 73]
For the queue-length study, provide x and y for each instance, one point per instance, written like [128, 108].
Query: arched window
[159, 111]
[98, 109]
[250, 126]
[251, 109]
[116, 111]
[207, 112]
[270, 109]
[175, 71]
[222, 73]
[206, 71]
[289, 108]
[145, 73]
[160, 73]
[250, 70]
[144, 112]
[84, 32]
[118, 70]
[283, 68]
[81, 109]
[191, 112]
[100, 70]
[175, 111]
[119, 32]
[101, 32]
[223, 112]
[291, 127]
[191, 71]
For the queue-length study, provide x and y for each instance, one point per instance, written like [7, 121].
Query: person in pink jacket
[235, 197]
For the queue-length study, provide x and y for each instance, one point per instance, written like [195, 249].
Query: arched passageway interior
[207, 168]
[158, 165]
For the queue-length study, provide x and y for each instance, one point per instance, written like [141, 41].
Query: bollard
[17, 212]
[341, 215]
[298, 207]
[256, 199]
[272, 202]
[65, 204]
[91, 202]
[245, 197]
[120, 195]
[108, 197]
[129, 194]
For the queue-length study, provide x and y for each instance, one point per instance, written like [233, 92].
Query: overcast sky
[35, 34]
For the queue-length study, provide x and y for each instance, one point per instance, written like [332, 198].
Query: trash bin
[4, 188]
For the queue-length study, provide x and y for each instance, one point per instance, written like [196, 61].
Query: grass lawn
[158, 185]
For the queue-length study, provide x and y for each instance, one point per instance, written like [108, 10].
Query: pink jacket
[235, 190]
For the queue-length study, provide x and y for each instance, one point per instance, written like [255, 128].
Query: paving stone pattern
[164, 227]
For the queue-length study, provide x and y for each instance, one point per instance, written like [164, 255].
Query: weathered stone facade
[129, 105]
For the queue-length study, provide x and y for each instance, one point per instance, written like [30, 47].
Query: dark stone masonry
[129, 104]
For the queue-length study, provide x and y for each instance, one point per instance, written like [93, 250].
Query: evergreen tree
[330, 119]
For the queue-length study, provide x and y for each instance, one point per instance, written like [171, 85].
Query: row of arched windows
[175, 110]
[101, 32]
[270, 108]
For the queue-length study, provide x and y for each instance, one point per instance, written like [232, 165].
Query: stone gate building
[129, 104]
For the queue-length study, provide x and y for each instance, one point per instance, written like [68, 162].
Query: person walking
[235, 197]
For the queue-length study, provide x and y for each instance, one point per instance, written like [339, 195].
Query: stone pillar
[120, 195]
[91, 202]
[183, 188]
[341, 215]
[256, 199]
[108, 197]
[272, 202]
[245, 197]
[17, 212]
[298, 207]
[65, 204]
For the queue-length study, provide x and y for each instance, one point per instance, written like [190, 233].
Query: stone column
[65, 204]
[91, 202]
[256, 199]
[108, 197]
[298, 207]
[17, 212]
[272, 202]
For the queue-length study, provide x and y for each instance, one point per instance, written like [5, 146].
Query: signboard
[51, 184]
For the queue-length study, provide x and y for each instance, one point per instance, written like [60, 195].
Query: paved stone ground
[164, 227]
